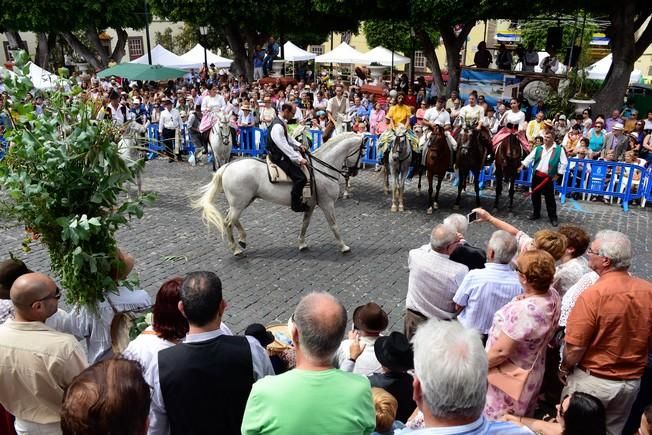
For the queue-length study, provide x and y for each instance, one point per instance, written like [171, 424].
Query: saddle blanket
[278, 175]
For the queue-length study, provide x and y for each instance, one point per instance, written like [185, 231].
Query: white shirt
[168, 120]
[546, 155]
[648, 125]
[432, 283]
[485, 291]
[287, 146]
[158, 423]
[366, 364]
[439, 117]
[343, 104]
[569, 299]
[469, 114]
[517, 118]
[212, 104]
[568, 273]
[95, 328]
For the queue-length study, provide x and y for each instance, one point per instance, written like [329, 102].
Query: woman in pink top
[421, 111]
[377, 124]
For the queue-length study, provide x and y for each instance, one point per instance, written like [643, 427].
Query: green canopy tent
[136, 71]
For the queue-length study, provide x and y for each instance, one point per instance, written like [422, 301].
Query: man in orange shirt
[609, 331]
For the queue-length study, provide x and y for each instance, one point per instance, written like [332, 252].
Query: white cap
[618, 126]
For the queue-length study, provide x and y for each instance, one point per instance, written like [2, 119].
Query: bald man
[315, 397]
[36, 362]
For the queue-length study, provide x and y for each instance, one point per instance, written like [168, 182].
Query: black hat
[258, 331]
[394, 352]
[370, 318]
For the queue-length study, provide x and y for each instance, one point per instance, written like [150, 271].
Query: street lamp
[203, 31]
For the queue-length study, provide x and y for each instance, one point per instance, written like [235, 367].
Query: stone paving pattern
[267, 283]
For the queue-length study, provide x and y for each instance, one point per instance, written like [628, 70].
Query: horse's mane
[333, 142]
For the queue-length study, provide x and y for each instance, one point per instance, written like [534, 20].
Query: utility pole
[149, 46]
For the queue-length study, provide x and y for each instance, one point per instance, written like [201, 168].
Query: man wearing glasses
[36, 362]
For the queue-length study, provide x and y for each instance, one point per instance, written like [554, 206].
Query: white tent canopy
[343, 53]
[383, 56]
[599, 70]
[40, 78]
[162, 56]
[195, 58]
[292, 53]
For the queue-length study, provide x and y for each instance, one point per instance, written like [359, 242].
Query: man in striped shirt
[485, 291]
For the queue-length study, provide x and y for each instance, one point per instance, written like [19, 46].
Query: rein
[344, 173]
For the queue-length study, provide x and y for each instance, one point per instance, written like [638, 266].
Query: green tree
[391, 34]
[64, 181]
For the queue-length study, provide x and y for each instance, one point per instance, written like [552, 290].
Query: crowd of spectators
[550, 321]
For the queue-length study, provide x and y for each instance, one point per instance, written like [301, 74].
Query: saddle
[278, 175]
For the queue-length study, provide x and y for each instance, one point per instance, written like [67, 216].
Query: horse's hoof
[242, 244]
[436, 206]
[345, 195]
[418, 192]
[238, 253]
[401, 208]
[394, 208]
[303, 247]
[345, 249]
[429, 211]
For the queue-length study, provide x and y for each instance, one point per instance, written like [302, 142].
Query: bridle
[346, 171]
[401, 138]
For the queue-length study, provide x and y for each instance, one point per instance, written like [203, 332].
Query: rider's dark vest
[272, 148]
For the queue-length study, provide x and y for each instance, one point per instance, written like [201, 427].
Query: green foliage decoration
[64, 180]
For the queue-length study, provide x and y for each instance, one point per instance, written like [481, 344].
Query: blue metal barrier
[155, 145]
[603, 178]
[647, 187]
[316, 137]
[370, 156]
[488, 175]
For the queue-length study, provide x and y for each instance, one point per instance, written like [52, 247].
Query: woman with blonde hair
[519, 336]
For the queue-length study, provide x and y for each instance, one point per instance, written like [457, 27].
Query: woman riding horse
[509, 145]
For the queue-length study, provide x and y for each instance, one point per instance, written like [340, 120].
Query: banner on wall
[497, 86]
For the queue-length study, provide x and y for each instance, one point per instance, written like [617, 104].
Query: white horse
[244, 180]
[399, 159]
[220, 142]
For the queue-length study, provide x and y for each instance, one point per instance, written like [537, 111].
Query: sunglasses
[56, 295]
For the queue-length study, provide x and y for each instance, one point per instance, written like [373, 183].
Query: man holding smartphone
[549, 162]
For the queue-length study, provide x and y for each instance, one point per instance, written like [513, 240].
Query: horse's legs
[304, 227]
[386, 178]
[439, 180]
[401, 189]
[430, 204]
[499, 186]
[512, 187]
[347, 185]
[328, 208]
[231, 218]
[242, 235]
[420, 168]
[462, 174]
[394, 192]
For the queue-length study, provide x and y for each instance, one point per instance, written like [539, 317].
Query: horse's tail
[209, 213]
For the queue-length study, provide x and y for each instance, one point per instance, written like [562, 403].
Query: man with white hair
[609, 331]
[485, 291]
[315, 397]
[465, 253]
[450, 382]
[433, 280]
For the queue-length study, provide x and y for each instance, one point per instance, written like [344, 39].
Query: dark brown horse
[473, 146]
[509, 155]
[438, 157]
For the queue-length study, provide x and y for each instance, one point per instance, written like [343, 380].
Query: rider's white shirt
[469, 114]
[212, 104]
[440, 117]
[512, 117]
[285, 145]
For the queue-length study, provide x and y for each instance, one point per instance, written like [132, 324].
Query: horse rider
[338, 105]
[512, 122]
[285, 152]
[398, 115]
[437, 116]
[472, 114]
[211, 106]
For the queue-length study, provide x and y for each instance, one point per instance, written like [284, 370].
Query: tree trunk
[453, 44]
[93, 35]
[621, 33]
[14, 39]
[82, 50]
[42, 50]
[234, 36]
[119, 50]
[431, 57]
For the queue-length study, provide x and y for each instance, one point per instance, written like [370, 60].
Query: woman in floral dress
[521, 331]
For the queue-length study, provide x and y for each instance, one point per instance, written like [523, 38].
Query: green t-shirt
[309, 402]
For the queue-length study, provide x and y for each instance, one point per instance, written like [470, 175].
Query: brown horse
[438, 157]
[509, 155]
[473, 146]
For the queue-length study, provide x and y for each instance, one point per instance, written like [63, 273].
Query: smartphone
[472, 216]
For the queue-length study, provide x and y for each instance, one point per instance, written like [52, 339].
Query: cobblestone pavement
[267, 283]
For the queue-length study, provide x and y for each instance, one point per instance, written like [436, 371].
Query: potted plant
[64, 181]
[376, 70]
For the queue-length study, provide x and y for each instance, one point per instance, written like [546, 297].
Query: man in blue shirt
[272, 51]
[259, 57]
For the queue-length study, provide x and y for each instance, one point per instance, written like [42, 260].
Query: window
[419, 59]
[135, 44]
[317, 50]
[8, 56]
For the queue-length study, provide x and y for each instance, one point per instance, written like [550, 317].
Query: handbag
[510, 378]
